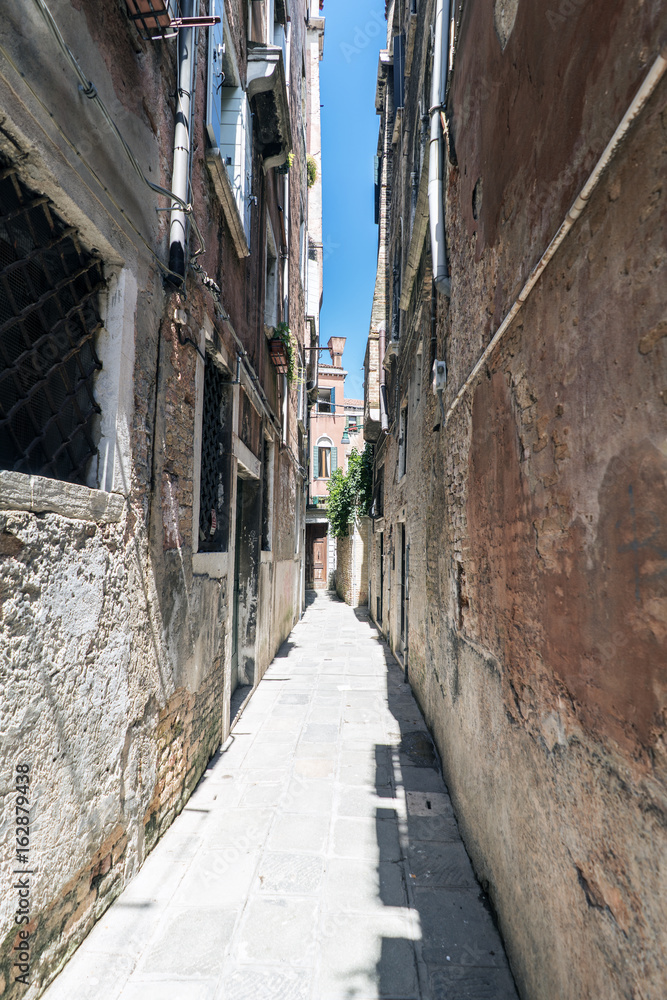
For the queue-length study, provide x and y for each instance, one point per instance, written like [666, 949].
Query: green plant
[350, 494]
[311, 169]
[282, 332]
[290, 160]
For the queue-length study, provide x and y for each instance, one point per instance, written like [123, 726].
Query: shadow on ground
[460, 954]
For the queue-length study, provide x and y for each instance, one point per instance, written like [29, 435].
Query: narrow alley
[318, 859]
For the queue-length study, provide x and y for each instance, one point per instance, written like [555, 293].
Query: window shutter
[215, 76]
[333, 399]
[247, 187]
[399, 70]
[316, 470]
[334, 457]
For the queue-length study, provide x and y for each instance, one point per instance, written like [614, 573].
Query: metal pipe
[88, 90]
[647, 88]
[436, 154]
[384, 420]
[181, 166]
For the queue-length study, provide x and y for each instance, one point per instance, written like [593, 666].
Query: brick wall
[352, 564]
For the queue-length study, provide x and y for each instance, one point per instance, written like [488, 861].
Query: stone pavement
[318, 859]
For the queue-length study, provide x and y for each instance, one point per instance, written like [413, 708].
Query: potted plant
[282, 351]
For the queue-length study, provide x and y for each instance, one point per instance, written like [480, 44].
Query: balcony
[266, 85]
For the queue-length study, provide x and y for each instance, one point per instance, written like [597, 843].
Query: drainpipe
[181, 169]
[435, 160]
[384, 421]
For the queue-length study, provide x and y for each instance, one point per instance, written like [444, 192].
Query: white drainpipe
[181, 169]
[436, 157]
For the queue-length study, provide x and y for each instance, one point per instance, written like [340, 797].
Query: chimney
[336, 346]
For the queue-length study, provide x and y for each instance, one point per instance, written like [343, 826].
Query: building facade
[154, 228]
[515, 391]
[335, 429]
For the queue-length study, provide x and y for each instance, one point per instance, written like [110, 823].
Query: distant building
[335, 429]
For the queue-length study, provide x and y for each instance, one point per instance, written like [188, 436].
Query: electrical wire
[167, 270]
[88, 90]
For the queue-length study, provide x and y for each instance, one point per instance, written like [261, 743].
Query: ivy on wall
[351, 493]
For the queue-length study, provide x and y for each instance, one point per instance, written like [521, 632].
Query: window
[215, 479]
[396, 295]
[49, 321]
[378, 493]
[228, 116]
[403, 443]
[399, 71]
[326, 400]
[271, 293]
[325, 459]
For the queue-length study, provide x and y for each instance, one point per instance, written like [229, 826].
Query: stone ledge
[223, 189]
[40, 495]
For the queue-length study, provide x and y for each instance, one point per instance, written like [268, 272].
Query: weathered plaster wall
[115, 642]
[535, 520]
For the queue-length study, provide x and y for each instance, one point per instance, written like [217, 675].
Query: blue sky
[354, 34]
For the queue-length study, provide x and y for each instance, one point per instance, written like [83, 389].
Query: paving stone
[191, 943]
[178, 989]
[90, 975]
[313, 768]
[266, 984]
[366, 838]
[291, 873]
[440, 828]
[243, 828]
[362, 957]
[284, 876]
[220, 877]
[304, 795]
[299, 832]
[420, 779]
[361, 802]
[278, 932]
[263, 755]
[440, 865]
[262, 793]
[119, 930]
[324, 751]
[354, 884]
[428, 804]
[319, 733]
[464, 983]
[455, 923]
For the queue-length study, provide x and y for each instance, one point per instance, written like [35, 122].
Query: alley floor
[318, 859]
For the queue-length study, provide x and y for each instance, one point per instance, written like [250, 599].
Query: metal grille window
[215, 461]
[49, 320]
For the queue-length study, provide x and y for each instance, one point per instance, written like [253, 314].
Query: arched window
[325, 458]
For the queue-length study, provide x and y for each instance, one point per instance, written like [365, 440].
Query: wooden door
[320, 562]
